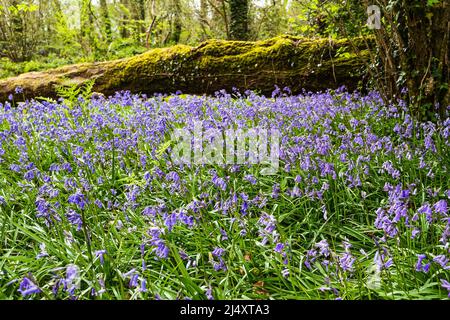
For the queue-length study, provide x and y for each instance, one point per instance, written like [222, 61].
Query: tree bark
[176, 24]
[414, 54]
[239, 19]
[86, 26]
[298, 63]
[124, 33]
[203, 18]
[106, 20]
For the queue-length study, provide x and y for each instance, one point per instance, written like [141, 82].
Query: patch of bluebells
[345, 160]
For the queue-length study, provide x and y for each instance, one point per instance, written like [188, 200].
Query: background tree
[176, 21]
[239, 19]
[413, 51]
[411, 47]
[20, 29]
[106, 20]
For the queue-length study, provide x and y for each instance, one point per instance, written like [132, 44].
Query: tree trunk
[219, 9]
[125, 18]
[106, 20]
[414, 53]
[297, 63]
[141, 7]
[86, 27]
[239, 19]
[203, 17]
[176, 24]
[17, 28]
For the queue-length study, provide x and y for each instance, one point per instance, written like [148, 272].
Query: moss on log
[299, 63]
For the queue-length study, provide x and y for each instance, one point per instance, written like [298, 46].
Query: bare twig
[148, 33]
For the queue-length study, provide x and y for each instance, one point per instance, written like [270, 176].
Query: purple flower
[134, 277]
[170, 221]
[43, 253]
[28, 287]
[382, 260]
[183, 255]
[149, 211]
[420, 266]
[143, 285]
[133, 281]
[279, 248]
[224, 235]
[78, 199]
[30, 175]
[160, 248]
[100, 254]
[15, 167]
[442, 261]
[56, 286]
[219, 182]
[323, 247]
[75, 219]
[218, 252]
[441, 207]
[219, 265]
[250, 178]
[346, 262]
[72, 280]
[446, 285]
[275, 191]
[426, 209]
[98, 203]
[209, 295]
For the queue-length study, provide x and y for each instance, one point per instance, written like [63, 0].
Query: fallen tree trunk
[297, 63]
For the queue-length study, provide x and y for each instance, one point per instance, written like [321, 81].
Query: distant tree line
[411, 50]
[97, 29]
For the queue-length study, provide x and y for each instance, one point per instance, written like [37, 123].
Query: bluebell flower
[143, 285]
[218, 252]
[419, 265]
[75, 219]
[346, 261]
[219, 265]
[72, 280]
[446, 285]
[133, 281]
[98, 203]
[209, 295]
[441, 207]
[250, 178]
[78, 199]
[43, 253]
[224, 235]
[100, 254]
[279, 248]
[426, 209]
[324, 248]
[28, 287]
[443, 261]
[170, 221]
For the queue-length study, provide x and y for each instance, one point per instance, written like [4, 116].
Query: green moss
[224, 58]
[213, 65]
